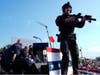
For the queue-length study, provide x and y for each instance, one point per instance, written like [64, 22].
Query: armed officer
[10, 55]
[67, 37]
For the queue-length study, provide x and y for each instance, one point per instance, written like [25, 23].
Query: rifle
[88, 17]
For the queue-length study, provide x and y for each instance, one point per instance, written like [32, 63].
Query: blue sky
[18, 18]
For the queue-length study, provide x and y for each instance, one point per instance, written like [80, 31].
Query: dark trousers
[67, 46]
[6, 66]
[21, 66]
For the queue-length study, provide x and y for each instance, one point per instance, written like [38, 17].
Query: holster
[66, 37]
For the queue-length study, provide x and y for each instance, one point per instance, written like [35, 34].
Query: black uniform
[67, 40]
[7, 56]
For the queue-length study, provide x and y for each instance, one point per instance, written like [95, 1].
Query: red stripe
[52, 50]
[95, 71]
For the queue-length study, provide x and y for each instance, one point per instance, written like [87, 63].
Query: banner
[54, 61]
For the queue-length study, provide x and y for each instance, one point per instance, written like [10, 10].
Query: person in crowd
[34, 54]
[28, 63]
[9, 55]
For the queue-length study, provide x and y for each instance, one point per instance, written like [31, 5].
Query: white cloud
[92, 51]
[97, 22]
[29, 23]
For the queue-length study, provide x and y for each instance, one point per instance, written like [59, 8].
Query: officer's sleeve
[16, 48]
[80, 24]
[59, 21]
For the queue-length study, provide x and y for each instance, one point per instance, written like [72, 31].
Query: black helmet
[66, 5]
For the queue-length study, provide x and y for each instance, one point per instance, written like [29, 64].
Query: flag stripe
[52, 50]
[54, 65]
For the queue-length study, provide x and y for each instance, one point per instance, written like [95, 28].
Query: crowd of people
[19, 60]
[90, 65]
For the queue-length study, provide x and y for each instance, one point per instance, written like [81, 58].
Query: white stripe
[53, 56]
[58, 72]
[55, 72]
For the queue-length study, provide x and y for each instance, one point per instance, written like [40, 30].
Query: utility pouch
[59, 37]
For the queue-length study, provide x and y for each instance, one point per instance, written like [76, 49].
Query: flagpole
[46, 27]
